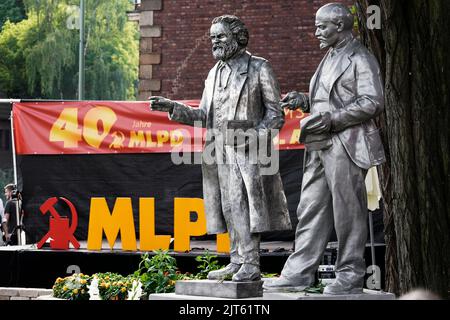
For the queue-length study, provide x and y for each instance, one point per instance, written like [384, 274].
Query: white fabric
[2, 211]
[373, 189]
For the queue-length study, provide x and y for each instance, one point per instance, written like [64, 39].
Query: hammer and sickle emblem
[119, 138]
[61, 234]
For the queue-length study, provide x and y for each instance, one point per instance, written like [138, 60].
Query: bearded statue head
[229, 35]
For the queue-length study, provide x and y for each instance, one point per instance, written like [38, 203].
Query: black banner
[79, 178]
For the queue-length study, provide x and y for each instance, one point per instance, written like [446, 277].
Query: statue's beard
[224, 51]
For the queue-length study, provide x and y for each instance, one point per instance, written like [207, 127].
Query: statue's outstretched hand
[294, 100]
[161, 104]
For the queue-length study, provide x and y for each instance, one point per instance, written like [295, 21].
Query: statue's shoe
[336, 288]
[282, 284]
[221, 274]
[247, 272]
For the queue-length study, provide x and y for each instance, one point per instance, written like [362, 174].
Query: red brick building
[175, 51]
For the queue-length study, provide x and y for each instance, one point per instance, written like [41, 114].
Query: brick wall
[280, 31]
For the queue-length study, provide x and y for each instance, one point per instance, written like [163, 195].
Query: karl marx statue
[342, 143]
[241, 93]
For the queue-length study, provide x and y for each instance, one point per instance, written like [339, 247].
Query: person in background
[3, 223]
[420, 294]
[10, 213]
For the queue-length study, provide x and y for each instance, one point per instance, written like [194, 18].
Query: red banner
[114, 127]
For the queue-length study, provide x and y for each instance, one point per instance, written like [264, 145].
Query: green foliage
[318, 288]
[158, 273]
[12, 10]
[269, 275]
[39, 56]
[14, 38]
[354, 11]
[73, 287]
[207, 263]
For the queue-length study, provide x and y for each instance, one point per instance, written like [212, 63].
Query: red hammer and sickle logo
[60, 232]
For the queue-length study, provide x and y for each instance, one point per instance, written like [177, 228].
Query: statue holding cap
[342, 142]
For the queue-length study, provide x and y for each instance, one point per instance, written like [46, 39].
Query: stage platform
[27, 266]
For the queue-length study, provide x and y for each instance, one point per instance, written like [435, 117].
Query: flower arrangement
[156, 274]
[74, 287]
[100, 286]
[113, 286]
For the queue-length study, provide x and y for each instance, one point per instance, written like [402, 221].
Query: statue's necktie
[223, 75]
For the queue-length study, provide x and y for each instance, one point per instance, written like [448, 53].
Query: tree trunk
[412, 46]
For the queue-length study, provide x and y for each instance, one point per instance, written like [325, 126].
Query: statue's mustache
[219, 46]
[224, 51]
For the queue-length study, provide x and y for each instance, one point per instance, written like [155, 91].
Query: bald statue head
[334, 23]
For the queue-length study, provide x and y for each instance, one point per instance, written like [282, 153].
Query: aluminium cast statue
[342, 143]
[241, 92]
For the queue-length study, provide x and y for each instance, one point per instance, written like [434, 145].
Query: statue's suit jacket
[255, 97]
[356, 98]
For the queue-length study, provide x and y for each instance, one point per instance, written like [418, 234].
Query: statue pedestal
[219, 289]
[366, 295]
